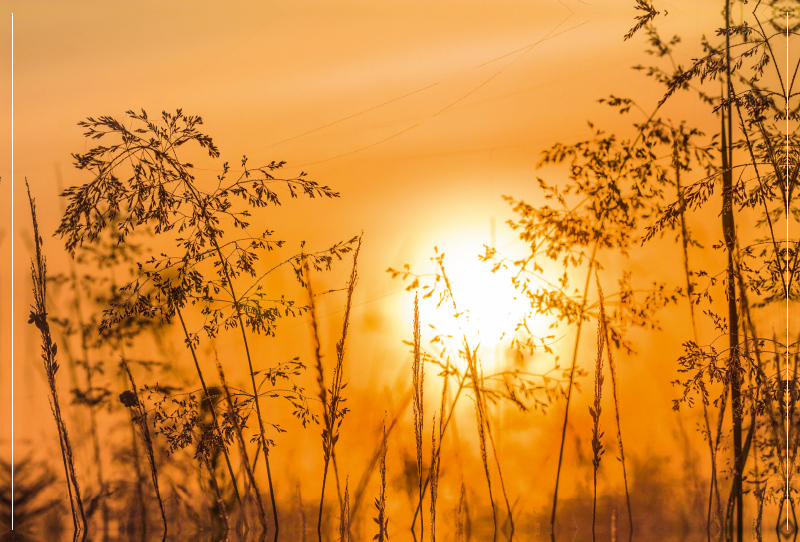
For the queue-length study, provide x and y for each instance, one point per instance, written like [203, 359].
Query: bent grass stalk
[38, 317]
[481, 413]
[377, 454]
[91, 407]
[480, 419]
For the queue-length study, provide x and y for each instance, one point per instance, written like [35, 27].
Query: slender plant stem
[223, 262]
[569, 390]
[92, 413]
[243, 448]
[729, 232]
[139, 417]
[211, 406]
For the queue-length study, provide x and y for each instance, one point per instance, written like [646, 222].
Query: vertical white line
[787, 270]
[12, 271]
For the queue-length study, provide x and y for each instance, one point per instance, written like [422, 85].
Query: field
[489, 283]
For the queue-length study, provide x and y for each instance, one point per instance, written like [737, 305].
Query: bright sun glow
[491, 306]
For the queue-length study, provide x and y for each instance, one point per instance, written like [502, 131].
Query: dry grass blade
[592, 263]
[462, 517]
[38, 317]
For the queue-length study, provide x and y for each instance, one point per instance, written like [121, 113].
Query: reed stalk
[322, 391]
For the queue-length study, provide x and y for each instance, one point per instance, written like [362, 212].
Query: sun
[489, 307]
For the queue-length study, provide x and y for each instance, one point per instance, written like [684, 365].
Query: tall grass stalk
[729, 233]
[262, 516]
[95, 439]
[442, 429]
[713, 488]
[212, 408]
[596, 409]
[236, 301]
[223, 512]
[569, 390]
[418, 381]
[139, 417]
[434, 471]
[480, 418]
[377, 454]
[614, 389]
[380, 502]
[318, 365]
[38, 317]
[335, 414]
[497, 464]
